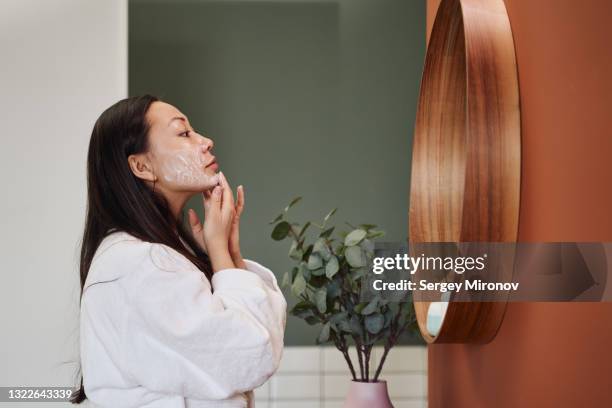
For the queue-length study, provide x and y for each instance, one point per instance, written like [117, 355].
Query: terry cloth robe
[154, 332]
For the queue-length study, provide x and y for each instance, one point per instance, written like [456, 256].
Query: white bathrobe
[153, 333]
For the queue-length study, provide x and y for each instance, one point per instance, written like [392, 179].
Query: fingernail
[217, 190]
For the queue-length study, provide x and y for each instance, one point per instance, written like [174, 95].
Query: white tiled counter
[318, 377]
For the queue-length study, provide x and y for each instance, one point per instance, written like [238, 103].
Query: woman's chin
[212, 179]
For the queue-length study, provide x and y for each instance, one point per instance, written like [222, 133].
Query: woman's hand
[219, 213]
[197, 229]
[234, 237]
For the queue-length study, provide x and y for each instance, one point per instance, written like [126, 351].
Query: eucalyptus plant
[327, 281]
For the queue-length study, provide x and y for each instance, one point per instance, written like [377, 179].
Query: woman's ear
[141, 167]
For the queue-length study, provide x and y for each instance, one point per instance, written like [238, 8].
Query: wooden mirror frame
[465, 183]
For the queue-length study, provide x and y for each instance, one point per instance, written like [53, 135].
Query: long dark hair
[117, 200]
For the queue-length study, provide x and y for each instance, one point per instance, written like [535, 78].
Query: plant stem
[382, 360]
[341, 345]
[359, 356]
[367, 350]
[295, 235]
[393, 332]
[391, 340]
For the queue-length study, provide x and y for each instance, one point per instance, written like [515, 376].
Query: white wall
[318, 377]
[62, 63]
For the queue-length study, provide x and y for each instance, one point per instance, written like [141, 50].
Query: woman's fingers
[197, 229]
[214, 233]
[240, 201]
[228, 195]
[212, 200]
[194, 221]
[205, 199]
[206, 194]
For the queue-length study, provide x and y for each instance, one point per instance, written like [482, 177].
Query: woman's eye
[185, 133]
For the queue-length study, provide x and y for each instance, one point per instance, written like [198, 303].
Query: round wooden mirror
[465, 183]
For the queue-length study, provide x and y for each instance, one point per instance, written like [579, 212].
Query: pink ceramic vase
[368, 395]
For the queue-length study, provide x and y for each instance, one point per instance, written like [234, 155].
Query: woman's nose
[207, 144]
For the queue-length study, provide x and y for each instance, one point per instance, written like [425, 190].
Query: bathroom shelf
[466, 160]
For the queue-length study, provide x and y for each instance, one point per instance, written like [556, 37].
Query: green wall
[311, 98]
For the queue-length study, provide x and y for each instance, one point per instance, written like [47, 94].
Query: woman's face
[179, 158]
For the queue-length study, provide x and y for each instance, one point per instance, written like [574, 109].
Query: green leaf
[332, 267]
[318, 281]
[307, 252]
[338, 317]
[344, 326]
[354, 237]
[371, 340]
[312, 320]
[327, 232]
[354, 256]
[278, 218]
[303, 230]
[299, 285]
[294, 272]
[295, 252]
[294, 201]
[360, 306]
[329, 214]
[341, 321]
[318, 272]
[332, 325]
[303, 314]
[334, 289]
[320, 298]
[367, 246]
[320, 247]
[286, 280]
[358, 273]
[374, 323]
[355, 325]
[324, 334]
[314, 262]
[302, 305]
[281, 230]
[354, 285]
[367, 226]
[303, 309]
[371, 307]
[375, 234]
[306, 273]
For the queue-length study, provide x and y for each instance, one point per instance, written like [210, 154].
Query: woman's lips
[213, 165]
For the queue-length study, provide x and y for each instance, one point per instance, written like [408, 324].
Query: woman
[171, 316]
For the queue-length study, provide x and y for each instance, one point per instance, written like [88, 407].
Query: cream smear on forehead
[186, 168]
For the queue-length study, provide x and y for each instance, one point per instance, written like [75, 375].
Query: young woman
[171, 316]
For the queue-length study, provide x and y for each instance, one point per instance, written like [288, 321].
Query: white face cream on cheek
[185, 169]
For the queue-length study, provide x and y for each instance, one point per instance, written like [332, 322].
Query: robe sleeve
[185, 336]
